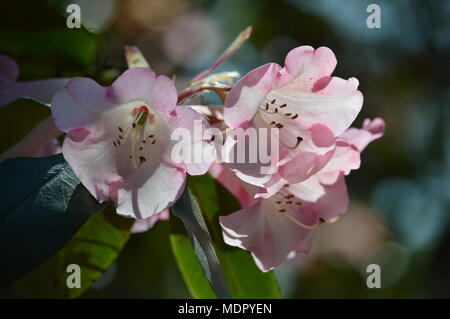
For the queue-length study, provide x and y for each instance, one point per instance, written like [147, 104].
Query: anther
[321, 220]
[299, 140]
[141, 148]
[294, 117]
[278, 202]
[289, 202]
[153, 142]
[115, 144]
[282, 210]
[297, 203]
[283, 105]
[121, 137]
[134, 125]
[120, 130]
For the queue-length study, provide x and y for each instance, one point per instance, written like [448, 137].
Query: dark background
[399, 214]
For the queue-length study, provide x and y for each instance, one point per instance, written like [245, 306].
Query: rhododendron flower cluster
[312, 111]
[120, 139]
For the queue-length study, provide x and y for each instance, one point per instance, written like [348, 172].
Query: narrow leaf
[189, 266]
[244, 278]
[187, 208]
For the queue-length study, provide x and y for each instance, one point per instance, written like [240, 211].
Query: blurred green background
[399, 214]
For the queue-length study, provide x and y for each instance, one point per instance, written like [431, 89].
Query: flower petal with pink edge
[142, 225]
[306, 65]
[202, 148]
[269, 235]
[243, 100]
[360, 138]
[143, 84]
[334, 105]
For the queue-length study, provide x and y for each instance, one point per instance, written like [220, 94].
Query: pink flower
[277, 225]
[119, 139]
[11, 90]
[308, 106]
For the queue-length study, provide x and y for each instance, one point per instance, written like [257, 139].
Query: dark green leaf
[94, 247]
[244, 278]
[18, 118]
[43, 206]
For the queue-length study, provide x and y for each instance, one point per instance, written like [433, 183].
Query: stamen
[292, 219]
[299, 140]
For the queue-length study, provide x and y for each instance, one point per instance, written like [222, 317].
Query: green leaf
[18, 118]
[94, 248]
[188, 210]
[244, 278]
[43, 206]
[189, 266]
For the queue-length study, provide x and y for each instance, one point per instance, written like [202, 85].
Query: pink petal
[142, 84]
[334, 202]
[360, 138]
[269, 235]
[79, 103]
[246, 95]
[142, 225]
[334, 106]
[306, 65]
[201, 145]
